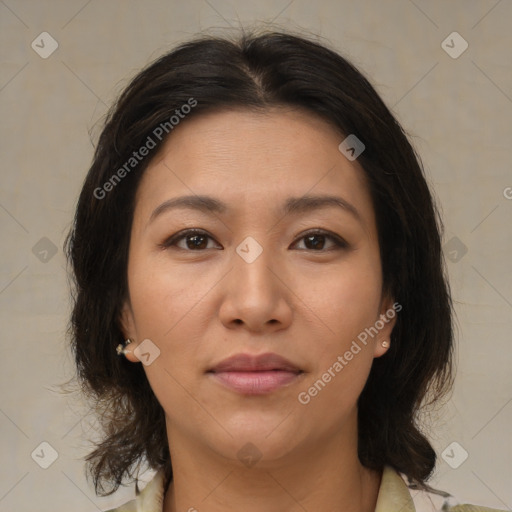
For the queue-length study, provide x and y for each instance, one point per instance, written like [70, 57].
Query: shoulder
[473, 508]
[150, 499]
[396, 492]
[428, 499]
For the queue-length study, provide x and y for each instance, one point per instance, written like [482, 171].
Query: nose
[255, 296]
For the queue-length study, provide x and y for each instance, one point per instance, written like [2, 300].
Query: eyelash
[338, 242]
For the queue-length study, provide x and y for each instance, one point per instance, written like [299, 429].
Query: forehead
[253, 159]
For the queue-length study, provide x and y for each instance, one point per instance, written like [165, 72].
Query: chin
[258, 436]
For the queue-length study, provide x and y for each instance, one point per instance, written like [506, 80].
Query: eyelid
[337, 240]
[176, 237]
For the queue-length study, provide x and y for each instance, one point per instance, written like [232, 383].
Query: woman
[257, 239]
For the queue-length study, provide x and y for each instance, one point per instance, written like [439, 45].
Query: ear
[127, 325]
[385, 324]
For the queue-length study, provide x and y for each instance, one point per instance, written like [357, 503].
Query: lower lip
[255, 383]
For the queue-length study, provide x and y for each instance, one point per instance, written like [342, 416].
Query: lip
[255, 375]
[251, 363]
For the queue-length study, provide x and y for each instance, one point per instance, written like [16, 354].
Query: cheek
[164, 298]
[344, 299]
[344, 354]
[170, 308]
[346, 303]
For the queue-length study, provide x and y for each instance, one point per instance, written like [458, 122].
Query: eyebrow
[292, 205]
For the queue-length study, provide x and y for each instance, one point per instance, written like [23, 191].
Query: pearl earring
[121, 348]
[385, 344]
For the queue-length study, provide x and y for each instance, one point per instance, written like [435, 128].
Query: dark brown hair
[260, 72]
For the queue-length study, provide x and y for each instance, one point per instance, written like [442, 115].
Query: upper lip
[251, 363]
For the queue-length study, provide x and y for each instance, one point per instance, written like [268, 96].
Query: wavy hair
[260, 71]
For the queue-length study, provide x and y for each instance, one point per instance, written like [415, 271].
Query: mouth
[255, 375]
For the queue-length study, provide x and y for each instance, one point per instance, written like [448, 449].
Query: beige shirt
[394, 496]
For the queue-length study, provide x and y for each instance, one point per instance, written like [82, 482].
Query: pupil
[312, 241]
[318, 244]
[196, 241]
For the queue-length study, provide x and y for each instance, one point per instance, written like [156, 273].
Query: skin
[303, 301]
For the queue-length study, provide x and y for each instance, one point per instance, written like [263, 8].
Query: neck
[325, 476]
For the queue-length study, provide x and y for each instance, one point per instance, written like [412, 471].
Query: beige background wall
[457, 110]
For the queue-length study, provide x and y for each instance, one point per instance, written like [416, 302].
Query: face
[254, 271]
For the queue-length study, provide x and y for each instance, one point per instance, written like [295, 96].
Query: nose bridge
[253, 295]
[251, 267]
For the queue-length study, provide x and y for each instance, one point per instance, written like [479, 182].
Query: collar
[393, 495]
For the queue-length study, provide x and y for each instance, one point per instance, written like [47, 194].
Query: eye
[316, 240]
[198, 240]
[190, 240]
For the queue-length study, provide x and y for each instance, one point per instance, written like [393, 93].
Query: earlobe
[386, 323]
[127, 326]
[381, 348]
[127, 349]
